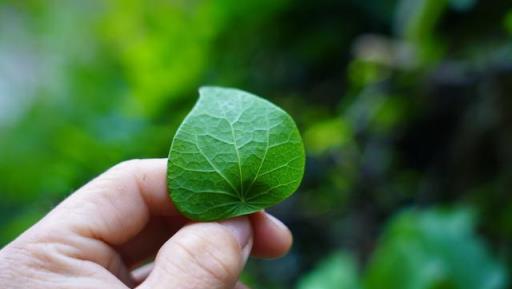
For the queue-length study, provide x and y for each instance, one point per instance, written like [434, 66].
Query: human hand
[101, 233]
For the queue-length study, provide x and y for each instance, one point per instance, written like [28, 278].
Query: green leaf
[337, 271]
[434, 249]
[234, 154]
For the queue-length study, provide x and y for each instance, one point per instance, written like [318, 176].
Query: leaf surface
[437, 248]
[235, 153]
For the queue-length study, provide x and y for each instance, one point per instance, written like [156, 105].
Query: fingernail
[246, 251]
[277, 222]
[240, 228]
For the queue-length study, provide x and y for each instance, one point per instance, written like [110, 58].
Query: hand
[101, 233]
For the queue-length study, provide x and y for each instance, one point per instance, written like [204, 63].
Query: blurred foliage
[433, 249]
[419, 249]
[337, 271]
[402, 104]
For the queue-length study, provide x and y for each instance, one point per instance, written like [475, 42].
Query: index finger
[118, 204]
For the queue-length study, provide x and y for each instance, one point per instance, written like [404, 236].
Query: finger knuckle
[127, 165]
[212, 253]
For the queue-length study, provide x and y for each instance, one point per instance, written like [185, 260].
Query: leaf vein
[214, 167]
[269, 190]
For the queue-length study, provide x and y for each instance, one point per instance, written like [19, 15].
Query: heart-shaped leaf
[234, 154]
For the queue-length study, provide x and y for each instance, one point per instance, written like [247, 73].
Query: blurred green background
[404, 107]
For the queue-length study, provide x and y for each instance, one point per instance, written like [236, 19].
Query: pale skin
[101, 235]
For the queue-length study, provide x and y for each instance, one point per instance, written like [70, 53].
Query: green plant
[337, 271]
[433, 249]
[234, 154]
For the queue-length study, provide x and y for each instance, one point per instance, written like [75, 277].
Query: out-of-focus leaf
[338, 271]
[362, 73]
[433, 249]
[416, 21]
[165, 46]
[326, 135]
[389, 113]
[508, 22]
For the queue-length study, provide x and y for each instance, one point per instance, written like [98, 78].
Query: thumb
[203, 255]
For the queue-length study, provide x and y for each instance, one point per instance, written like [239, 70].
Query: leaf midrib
[241, 192]
[256, 176]
[214, 167]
